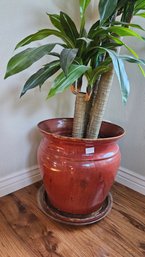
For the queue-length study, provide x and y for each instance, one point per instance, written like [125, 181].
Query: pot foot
[72, 219]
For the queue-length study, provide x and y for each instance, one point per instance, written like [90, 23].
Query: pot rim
[101, 140]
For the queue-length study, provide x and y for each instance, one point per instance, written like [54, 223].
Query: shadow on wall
[34, 138]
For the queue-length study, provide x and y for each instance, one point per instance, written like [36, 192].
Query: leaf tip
[6, 76]
[22, 93]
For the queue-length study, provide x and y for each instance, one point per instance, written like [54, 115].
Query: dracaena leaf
[93, 28]
[61, 82]
[38, 78]
[142, 14]
[69, 27]
[83, 6]
[55, 20]
[106, 9]
[128, 24]
[26, 58]
[139, 5]
[67, 56]
[43, 34]
[132, 59]
[121, 31]
[97, 72]
[121, 74]
[131, 51]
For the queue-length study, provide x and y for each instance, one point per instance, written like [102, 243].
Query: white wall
[19, 136]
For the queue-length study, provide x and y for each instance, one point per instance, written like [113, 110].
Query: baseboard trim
[131, 179]
[19, 180]
[27, 177]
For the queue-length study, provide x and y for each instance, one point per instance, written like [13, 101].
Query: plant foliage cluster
[83, 53]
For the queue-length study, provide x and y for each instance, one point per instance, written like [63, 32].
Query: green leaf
[121, 73]
[67, 56]
[69, 27]
[83, 6]
[119, 41]
[136, 60]
[142, 70]
[98, 35]
[121, 31]
[61, 82]
[121, 3]
[141, 14]
[43, 34]
[131, 51]
[128, 24]
[132, 59]
[139, 5]
[85, 39]
[54, 54]
[106, 9]
[41, 76]
[93, 28]
[97, 72]
[55, 20]
[26, 58]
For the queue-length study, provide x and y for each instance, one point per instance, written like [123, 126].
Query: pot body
[77, 173]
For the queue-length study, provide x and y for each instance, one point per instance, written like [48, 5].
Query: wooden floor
[26, 232]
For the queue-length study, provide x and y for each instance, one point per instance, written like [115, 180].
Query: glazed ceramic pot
[77, 173]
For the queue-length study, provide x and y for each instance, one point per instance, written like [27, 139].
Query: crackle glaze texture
[77, 173]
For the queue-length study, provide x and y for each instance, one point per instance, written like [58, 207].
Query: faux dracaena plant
[93, 54]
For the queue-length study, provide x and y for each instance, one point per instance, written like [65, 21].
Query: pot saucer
[72, 219]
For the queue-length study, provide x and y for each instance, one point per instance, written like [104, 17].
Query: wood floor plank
[26, 232]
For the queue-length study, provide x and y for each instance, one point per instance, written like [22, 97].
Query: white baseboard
[131, 179]
[27, 177]
[19, 180]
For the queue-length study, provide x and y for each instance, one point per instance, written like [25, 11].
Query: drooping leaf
[139, 5]
[131, 51]
[132, 59]
[66, 58]
[106, 9]
[55, 20]
[111, 45]
[142, 14]
[43, 34]
[38, 78]
[128, 24]
[26, 58]
[122, 31]
[61, 82]
[142, 70]
[83, 6]
[119, 41]
[121, 74]
[69, 27]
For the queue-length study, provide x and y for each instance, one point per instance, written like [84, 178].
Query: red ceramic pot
[78, 173]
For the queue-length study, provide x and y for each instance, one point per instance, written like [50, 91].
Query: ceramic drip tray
[72, 219]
